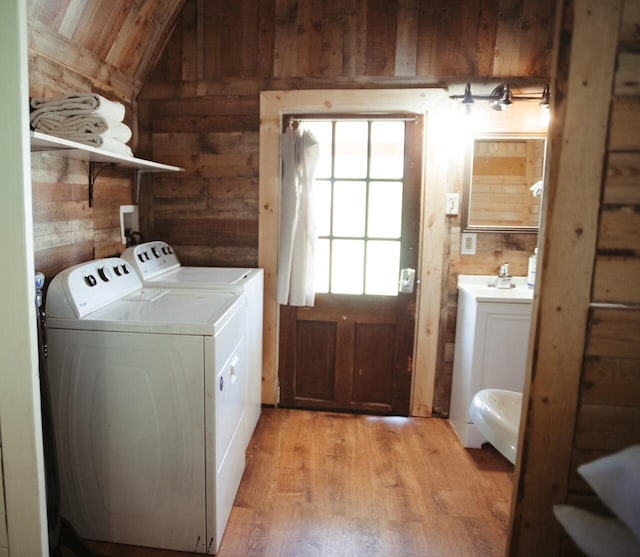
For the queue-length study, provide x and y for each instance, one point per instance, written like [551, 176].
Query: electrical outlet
[453, 202]
[468, 243]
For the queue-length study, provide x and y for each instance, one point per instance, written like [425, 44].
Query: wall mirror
[503, 183]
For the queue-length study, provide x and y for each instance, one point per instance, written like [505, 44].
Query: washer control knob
[125, 269]
[154, 250]
[146, 255]
[141, 257]
[105, 274]
[117, 270]
[90, 280]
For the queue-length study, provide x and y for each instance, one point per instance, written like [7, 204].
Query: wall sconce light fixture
[501, 98]
[545, 115]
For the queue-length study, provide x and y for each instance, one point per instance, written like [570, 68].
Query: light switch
[468, 243]
[453, 201]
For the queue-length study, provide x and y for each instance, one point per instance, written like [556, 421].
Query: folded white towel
[97, 140]
[616, 480]
[85, 103]
[60, 121]
[595, 535]
[115, 146]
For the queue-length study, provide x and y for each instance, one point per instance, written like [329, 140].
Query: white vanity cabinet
[492, 340]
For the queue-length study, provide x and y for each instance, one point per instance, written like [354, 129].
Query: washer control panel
[152, 258]
[87, 287]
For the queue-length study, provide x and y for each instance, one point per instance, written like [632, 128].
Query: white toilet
[496, 414]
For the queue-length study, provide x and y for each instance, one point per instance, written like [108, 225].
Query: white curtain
[296, 252]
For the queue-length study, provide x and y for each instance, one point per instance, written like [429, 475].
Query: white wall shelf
[41, 142]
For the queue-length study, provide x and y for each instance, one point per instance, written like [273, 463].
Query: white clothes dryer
[148, 395]
[159, 267]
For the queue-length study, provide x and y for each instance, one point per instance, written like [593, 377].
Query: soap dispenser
[531, 275]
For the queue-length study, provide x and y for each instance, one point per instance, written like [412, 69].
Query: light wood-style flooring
[323, 484]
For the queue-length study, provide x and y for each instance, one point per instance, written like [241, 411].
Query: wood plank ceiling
[115, 43]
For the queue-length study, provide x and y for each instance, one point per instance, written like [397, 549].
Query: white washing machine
[148, 394]
[159, 267]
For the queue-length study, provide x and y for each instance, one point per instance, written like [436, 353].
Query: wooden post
[586, 42]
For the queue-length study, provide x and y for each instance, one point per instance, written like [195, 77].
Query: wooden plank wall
[200, 108]
[589, 393]
[66, 230]
[608, 417]
[108, 47]
[492, 249]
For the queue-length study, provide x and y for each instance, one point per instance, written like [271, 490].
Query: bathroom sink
[478, 287]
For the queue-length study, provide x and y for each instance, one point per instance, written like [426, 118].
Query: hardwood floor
[322, 484]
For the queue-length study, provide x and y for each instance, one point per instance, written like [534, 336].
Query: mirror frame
[467, 185]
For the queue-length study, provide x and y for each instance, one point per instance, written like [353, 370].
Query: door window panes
[322, 206]
[349, 208]
[385, 210]
[347, 266]
[383, 263]
[387, 149]
[322, 131]
[358, 196]
[351, 144]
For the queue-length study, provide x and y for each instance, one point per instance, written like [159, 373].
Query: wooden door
[353, 351]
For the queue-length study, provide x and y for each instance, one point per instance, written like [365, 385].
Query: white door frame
[273, 105]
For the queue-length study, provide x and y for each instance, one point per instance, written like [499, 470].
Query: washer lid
[203, 277]
[188, 312]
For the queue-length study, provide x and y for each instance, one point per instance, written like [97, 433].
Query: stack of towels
[83, 117]
[615, 479]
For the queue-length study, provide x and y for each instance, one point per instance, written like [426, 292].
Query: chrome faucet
[504, 278]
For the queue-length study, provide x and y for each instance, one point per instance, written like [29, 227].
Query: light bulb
[545, 116]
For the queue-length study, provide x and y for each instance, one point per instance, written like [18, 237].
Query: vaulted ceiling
[115, 43]
[112, 46]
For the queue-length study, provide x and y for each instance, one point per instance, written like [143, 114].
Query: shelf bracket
[139, 173]
[93, 174]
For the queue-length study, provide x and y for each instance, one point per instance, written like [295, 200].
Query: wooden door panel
[315, 365]
[344, 363]
[374, 363]
[346, 308]
[347, 355]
